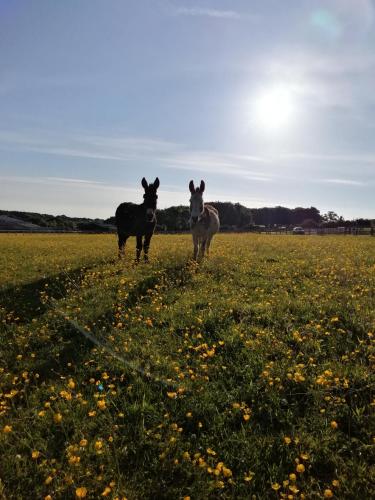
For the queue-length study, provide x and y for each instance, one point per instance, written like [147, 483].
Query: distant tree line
[282, 216]
[233, 217]
[60, 222]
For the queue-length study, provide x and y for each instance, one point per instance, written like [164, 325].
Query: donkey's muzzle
[150, 214]
[194, 220]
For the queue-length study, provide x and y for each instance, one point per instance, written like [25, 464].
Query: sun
[274, 108]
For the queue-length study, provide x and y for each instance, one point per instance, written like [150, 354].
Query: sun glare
[274, 108]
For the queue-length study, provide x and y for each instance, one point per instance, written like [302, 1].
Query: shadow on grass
[26, 301]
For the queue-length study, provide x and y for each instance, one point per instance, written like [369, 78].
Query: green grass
[211, 380]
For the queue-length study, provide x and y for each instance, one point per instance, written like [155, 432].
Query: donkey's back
[128, 219]
[213, 218]
[208, 224]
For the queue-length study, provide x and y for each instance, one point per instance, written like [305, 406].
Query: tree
[309, 223]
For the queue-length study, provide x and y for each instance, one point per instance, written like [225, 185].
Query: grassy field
[249, 375]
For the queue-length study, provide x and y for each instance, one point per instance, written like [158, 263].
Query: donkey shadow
[28, 301]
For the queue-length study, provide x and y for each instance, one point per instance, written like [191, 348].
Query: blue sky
[271, 103]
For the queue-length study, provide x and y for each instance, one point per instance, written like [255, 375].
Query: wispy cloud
[167, 154]
[199, 11]
[351, 158]
[346, 182]
[48, 181]
[171, 155]
[85, 198]
[224, 164]
[16, 81]
[72, 180]
[324, 80]
[115, 148]
[78, 199]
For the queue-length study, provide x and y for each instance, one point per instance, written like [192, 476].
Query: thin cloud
[357, 158]
[347, 182]
[84, 198]
[115, 148]
[219, 163]
[72, 180]
[16, 81]
[202, 12]
[81, 183]
[343, 80]
[78, 201]
[51, 181]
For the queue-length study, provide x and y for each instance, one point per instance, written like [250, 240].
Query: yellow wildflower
[249, 477]
[74, 460]
[106, 491]
[101, 404]
[98, 445]
[227, 472]
[81, 492]
[57, 418]
[294, 489]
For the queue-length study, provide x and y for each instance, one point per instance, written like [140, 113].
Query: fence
[321, 231]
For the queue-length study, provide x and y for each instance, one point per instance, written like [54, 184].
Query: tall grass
[248, 375]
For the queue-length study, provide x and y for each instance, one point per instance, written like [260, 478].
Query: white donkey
[204, 220]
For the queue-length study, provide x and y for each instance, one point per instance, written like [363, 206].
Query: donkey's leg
[139, 248]
[146, 246]
[203, 246]
[121, 245]
[208, 243]
[196, 248]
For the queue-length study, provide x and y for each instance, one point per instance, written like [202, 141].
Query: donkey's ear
[191, 187]
[144, 183]
[202, 186]
[156, 183]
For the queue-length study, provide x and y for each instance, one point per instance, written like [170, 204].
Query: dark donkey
[138, 220]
